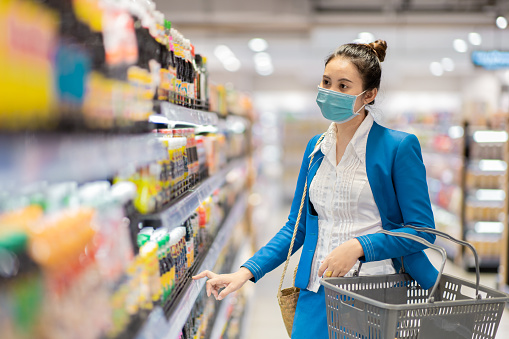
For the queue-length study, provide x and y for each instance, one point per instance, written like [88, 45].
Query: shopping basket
[395, 306]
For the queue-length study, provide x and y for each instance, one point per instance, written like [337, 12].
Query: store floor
[265, 318]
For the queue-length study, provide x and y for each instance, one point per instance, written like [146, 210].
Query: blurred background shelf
[31, 157]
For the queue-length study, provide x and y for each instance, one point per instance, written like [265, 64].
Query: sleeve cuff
[255, 270]
[367, 246]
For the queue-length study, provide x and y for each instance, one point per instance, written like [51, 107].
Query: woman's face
[341, 75]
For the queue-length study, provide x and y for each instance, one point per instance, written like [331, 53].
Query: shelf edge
[184, 308]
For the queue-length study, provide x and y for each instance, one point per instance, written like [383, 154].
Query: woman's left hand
[341, 260]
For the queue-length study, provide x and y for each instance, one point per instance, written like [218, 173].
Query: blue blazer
[397, 177]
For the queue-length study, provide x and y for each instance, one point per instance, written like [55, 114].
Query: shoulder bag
[287, 298]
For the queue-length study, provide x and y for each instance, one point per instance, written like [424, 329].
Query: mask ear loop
[357, 112]
[360, 109]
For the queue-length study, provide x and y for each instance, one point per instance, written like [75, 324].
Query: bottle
[178, 66]
[198, 80]
[171, 264]
[204, 87]
[189, 243]
[175, 253]
[172, 70]
[148, 255]
[196, 226]
[194, 78]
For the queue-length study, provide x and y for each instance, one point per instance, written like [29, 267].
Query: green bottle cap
[15, 242]
[142, 239]
[160, 243]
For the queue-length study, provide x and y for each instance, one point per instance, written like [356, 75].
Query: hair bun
[379, 47]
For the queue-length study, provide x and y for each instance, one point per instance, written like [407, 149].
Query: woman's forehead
[341, 67]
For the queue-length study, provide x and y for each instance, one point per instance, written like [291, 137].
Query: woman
[364, 177]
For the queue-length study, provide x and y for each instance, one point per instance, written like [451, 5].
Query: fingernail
[220, 298]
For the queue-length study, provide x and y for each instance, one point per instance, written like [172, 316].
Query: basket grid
[483, 318]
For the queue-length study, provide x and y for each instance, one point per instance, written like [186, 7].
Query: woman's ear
[370, 95]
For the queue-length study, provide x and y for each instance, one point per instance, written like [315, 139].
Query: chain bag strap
[287, 298]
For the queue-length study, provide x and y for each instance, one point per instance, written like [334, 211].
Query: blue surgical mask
[337, 106]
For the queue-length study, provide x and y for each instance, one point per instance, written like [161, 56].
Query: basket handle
[460, 242]
[426, 243]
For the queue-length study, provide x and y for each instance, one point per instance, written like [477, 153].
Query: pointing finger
[204, 274]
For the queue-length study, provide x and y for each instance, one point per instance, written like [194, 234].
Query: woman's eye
[325, 82]
[343, 86]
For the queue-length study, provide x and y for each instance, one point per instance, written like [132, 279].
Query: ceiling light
[265, 71]
[501, 22]
[263, 63]
[436, 69]
[490, 136]
[474, 38]
[365, 37]
[258, 44]
[460, 45]
[227, 58]
[232, 64]
[488, 227]
[448, 64]
[490, 195]
[489, 165]
[222, 51]
[455, 132]
[262, 59]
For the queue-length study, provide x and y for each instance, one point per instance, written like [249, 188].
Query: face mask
[336, 106]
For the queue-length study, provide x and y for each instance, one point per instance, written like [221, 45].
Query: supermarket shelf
[187, 115]
[247, 316]
[222, 316]
[504, 288]
[155, 324]
[181, 313]
[452, 249]
[454, 155]
[449, 223]
[178, 212]
[31, 157]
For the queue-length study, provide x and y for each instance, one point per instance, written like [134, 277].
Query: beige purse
[288, 297]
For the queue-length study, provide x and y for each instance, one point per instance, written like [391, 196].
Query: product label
[178, 86]
[120, 42]
[172, 74]
[184, 88]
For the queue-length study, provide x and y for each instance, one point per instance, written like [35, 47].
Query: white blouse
[342, 197]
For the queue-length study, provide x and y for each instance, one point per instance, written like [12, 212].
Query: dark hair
[367, 59]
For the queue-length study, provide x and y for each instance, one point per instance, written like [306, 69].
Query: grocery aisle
[265, 321]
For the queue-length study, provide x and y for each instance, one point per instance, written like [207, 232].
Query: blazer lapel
[375, 168]
[371, 159]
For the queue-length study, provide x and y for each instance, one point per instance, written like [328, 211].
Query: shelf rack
[30, 157]
[157, 324]
[178, 113]
[178, 212]
[222, 313]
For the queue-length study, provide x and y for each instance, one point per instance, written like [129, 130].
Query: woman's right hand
[230, 282]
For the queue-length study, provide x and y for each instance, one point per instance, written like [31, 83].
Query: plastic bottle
[148, 254]
[171, 264]
[174, 244]
[195, 222]
[189, 243]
